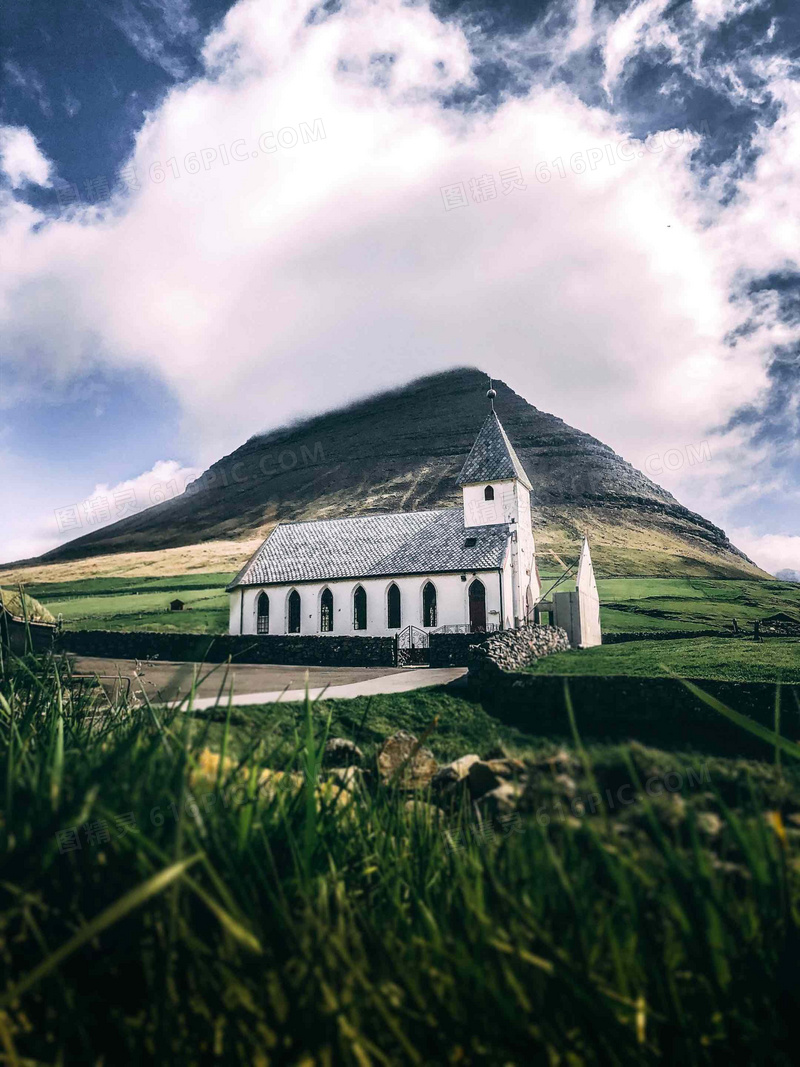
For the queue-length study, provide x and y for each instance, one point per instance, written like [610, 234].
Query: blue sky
[643, 284]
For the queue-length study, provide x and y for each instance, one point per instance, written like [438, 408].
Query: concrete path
[256, 683]
[402, 682]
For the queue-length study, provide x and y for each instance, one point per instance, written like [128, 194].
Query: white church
[471, 568]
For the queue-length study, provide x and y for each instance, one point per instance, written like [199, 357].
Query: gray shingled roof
[492, 457]
[370, 546]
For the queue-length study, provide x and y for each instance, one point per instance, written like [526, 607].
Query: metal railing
[465, 628]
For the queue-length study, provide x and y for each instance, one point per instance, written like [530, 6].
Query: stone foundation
[452, 650]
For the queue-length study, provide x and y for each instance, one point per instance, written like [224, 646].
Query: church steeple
[492, 457]
[497, 492]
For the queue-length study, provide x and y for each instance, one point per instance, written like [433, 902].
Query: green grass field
[776, 659]
[214, 912]
[626, 603]
[140, 603]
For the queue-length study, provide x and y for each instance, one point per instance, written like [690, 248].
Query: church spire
[492, 457]
[491, 393]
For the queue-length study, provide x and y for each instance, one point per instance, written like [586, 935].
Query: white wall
[451, 600]
[235, 601]
[579, 615]
[481, 512]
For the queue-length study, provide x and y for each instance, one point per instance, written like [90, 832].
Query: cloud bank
[336, 206]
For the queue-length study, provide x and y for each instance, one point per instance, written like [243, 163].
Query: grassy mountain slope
[402, 450]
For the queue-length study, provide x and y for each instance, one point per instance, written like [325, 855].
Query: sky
[218, 217]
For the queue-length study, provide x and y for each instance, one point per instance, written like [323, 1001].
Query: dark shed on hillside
[176, 605]
[780, 625]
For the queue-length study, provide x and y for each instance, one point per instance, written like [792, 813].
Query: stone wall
[511, 650]
[661, 635]
[299, 651]
[452, 650]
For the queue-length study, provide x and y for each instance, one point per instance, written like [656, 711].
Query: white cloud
[313, 268]
[628, 33]
[773, 552]
[153, 29]
[21, 160]
[39, 513]
[166, 479]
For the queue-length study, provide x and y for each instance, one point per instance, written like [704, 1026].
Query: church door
[477, 607]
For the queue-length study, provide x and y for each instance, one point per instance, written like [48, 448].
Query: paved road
[255, 683]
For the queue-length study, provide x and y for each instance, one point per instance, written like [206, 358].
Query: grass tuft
[226, 905]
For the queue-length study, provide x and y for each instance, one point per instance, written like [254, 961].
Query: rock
[561, 763]
[501, 801]
[270, 782]
[397, 767]
[332, 796]
[347, 777]
[496, 752]
[507, 767]
[566, 784]
[486, 775]
[710, 823]
[339, 752]
[451, 774]
[513, 650]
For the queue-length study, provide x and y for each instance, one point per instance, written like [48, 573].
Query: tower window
[488, 493]
[326, 612]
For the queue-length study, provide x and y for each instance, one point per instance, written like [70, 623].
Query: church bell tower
[496, 491]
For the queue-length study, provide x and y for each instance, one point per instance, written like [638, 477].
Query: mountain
[402, 451]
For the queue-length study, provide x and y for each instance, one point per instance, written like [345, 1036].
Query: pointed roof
[584, 580]
[492, 457]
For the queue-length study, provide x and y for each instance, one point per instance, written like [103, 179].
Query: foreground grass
[207, 919]
[776, 659]
[462, 724]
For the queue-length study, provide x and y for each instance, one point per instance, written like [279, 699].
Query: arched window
[262, 614]
[488, 493]
[360, 609]
[393, 607]
[294, 612]
[326, 612]
[429, 604]
[477, 607]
